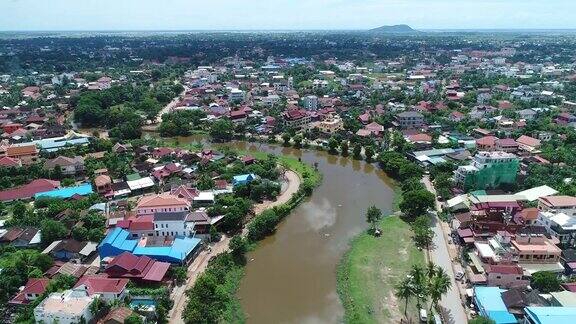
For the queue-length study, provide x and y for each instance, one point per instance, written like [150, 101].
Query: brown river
[291, 275]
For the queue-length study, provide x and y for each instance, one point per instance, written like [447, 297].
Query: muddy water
[291, 276]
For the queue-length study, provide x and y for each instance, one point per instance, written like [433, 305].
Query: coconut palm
[404, 291]
[438, 286]
[419, 283]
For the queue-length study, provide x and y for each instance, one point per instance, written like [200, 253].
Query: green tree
[297, 141]
[133, 319]
[357, 151]
[206, 299]
[286, 138]
[423, 234]
[545, 281]
[438, 286]
[222, 130]
[344, 148]
[403, 290]
[481, 320]
[179, 274]
[239, 247]
[333, 145]
[52, 231]
[373, 215]
[417, 202]
[369, 152]
[419, 284]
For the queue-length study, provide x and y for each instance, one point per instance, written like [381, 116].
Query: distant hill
[394, 29]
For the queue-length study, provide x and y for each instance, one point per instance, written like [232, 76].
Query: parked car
[459, 275]
[423, 315]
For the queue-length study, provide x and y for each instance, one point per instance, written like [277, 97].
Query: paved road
[171, 105]
[451, 302]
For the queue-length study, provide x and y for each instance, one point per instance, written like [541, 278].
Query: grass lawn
[370, 269]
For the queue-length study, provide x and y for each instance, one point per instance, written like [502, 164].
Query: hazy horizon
[283, 15]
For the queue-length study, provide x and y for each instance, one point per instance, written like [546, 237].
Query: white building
[559, 225]
[173, 224]
[236, 95]
[310, 102]
[68, 307]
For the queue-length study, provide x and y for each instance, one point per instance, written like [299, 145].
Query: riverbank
[371, 268]
[296, 174]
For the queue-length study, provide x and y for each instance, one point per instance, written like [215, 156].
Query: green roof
[133, 176]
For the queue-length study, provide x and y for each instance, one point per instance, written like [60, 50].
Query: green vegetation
[545, 282]
[371, 269]
[181, 123]
[481, 320]
[213, 298]
[373, 216]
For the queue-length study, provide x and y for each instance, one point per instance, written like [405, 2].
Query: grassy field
[370, 269]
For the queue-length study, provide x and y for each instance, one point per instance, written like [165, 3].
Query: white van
[423, 315]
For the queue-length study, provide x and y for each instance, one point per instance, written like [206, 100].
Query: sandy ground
[201, 262]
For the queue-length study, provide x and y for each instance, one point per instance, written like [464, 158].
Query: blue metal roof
[551, 315]
[118, 240]
[490, 304]
[54, 144]
[66, 192]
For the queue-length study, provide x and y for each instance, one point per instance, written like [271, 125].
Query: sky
[51, 15]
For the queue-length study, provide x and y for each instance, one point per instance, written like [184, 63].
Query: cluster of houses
[162, 230]
[503, 242]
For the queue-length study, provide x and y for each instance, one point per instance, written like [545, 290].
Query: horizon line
[281, 30]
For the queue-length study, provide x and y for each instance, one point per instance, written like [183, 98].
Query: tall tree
[373, 215]
[438, 286]
[404, 291]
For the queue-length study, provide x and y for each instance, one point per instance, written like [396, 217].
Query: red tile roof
[505, 269]
[29, 190]
[99, 284]
[528, 141]
[33, 286]
[9, 162]
[127, 265]
[558, 201]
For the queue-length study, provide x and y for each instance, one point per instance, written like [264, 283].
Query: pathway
[451, 302]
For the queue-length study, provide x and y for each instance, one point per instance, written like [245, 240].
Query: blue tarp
[66, 192]
[490, 304]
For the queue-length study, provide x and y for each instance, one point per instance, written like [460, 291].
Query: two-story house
[149, 205]
[410, 119]
[557, 204]
[68, 166]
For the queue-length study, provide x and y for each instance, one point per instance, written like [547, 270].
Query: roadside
[199, 265]
[372, 267]
[170, 106]
[293, 184]
[451, 302]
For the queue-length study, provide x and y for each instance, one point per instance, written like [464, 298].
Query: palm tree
[438, 286]
[430, 270]
[404, 291]
[419, 283]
